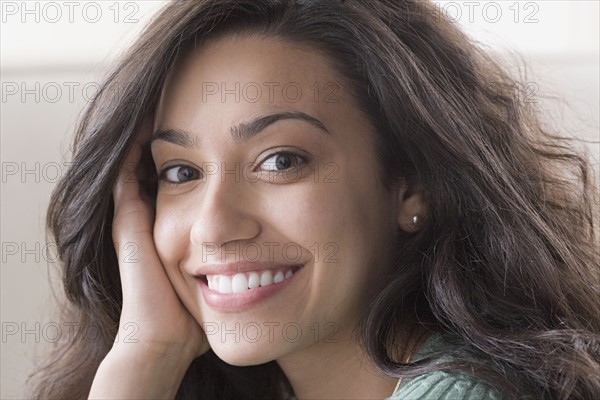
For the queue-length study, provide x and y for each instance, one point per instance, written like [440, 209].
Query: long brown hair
[507, 259]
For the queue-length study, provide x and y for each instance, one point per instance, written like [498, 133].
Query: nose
[223, 213]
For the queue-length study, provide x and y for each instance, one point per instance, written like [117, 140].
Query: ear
[410, 204]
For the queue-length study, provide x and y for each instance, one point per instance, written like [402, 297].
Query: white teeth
[213, 282]
[224, 284]
[239, 283]
[242, 282]
[278, 277]
[266, 278]
[253, 280]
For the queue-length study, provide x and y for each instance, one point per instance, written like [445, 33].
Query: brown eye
[180, 174]
[281, 161]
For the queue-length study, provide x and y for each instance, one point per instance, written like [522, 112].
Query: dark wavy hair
[507, 259]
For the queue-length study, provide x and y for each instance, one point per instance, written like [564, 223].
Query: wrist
[131, 339]
[167, 354]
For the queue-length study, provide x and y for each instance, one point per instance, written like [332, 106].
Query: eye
[282, 161]
[178, 174]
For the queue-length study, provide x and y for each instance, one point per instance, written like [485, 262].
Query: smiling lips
[243, 281]
[234, 287]
[243, 276]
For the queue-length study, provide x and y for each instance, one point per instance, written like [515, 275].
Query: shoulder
[439, 385]
[442, 385]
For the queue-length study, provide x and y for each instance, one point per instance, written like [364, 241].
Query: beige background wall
[50, 67]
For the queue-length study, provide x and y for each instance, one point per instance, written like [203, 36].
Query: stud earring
[415, 219]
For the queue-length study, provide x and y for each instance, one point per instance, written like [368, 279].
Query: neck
[338, 370]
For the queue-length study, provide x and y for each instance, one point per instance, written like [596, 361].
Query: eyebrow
[239, 133]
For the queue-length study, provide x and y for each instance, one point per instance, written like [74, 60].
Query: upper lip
[233, 268]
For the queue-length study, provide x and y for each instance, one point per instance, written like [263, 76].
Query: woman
[322, 199]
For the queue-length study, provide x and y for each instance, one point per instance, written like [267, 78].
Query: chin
[245, 354]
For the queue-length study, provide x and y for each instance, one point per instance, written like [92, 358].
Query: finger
[134, 219]
[127, 186]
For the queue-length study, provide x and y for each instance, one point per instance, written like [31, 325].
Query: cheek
[350, 222]
[171, 235]
[325, 219]
[309, 215]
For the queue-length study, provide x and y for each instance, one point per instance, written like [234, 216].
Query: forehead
[250, 73]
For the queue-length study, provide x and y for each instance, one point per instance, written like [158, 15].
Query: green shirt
[440, 385]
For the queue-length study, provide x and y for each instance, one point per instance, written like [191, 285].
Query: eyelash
[162, 176]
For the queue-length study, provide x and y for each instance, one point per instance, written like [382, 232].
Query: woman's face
[271, 220]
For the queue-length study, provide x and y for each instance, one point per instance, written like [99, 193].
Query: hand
[151, 307]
